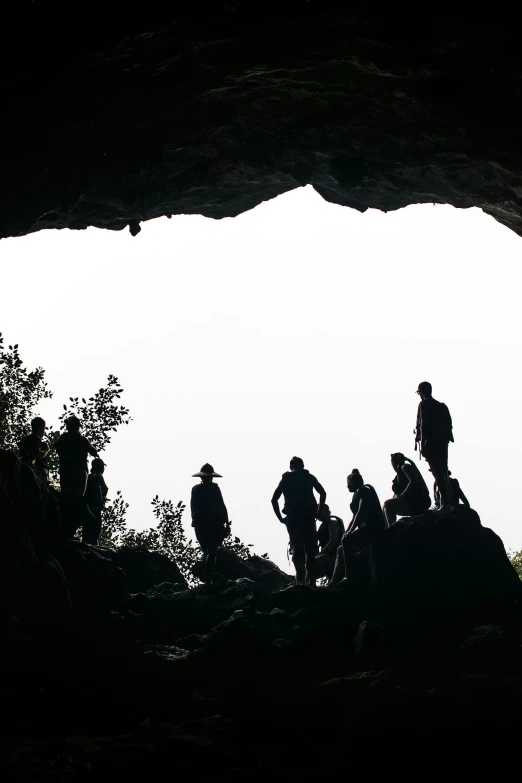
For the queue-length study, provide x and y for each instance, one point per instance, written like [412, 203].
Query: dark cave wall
[113, 116]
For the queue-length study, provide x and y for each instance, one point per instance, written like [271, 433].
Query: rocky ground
[113, 666]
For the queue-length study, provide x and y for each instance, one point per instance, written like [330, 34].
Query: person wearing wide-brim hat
[209, 517]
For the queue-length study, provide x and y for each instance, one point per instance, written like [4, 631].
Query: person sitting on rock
[73, 450]
[95, 497]
[33, 450]
[433, 433]
[411, 495]
[366, 527]
[209, 517]
[456, 490]
[297, 486]
[329, 536]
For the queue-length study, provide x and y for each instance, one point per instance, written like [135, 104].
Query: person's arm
[275, 501]
[222, 507]
[90, 448]
[192, 503]
[43, 452]
[409, 475]
[104, 488]
[322, 494]
[358, 517]
[333, 529]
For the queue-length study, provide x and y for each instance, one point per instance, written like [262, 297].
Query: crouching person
[365, 529]
[329, 536]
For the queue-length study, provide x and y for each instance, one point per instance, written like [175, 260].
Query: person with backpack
[433, 433]
[73, 449]
[95, 497]
[411, 495]
[297, 486]
[329, 537]
[367, 525]
[209, 517]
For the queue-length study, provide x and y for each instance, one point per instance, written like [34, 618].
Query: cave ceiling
[115, 114]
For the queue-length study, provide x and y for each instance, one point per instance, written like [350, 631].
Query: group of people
[324, 550]
[83, 494]
[327, 550]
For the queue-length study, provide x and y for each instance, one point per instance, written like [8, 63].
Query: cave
[114, 116]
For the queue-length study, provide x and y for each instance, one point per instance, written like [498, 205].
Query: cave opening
[297, 327]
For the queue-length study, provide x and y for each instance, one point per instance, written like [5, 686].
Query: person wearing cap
[433, 433]
[95, 497]
[33, 451]
[297, 486]
[209, 517]
[73, 450]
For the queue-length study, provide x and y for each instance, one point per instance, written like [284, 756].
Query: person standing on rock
[366, 527]
[209, 517]
[73, 450]
[329, 536]
[433, 433]
[411, 495]
[95, 496]
[297, 486]
[456, 490]
[33, 450]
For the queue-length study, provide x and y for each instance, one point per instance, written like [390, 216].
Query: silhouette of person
[367, 524]
[329, 536]
[33, 450]
[433, 433]
[73, 449]
[297, 486]
[95, 497]
[410, 492]
[456, 490]
[209, 517]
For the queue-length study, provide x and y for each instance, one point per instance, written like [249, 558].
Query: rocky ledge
[111, 660]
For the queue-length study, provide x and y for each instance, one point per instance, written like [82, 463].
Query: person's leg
[339, 570]
[396, 507]
[89, 526]
[438, 462]
[323, 566]
[210, 564]
[298, 556]
[310, 547]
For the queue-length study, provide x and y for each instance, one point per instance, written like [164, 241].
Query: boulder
[168, 612]
[267, 576]
[144, 569]
[441, 564]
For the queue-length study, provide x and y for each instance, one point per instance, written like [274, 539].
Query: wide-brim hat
[207, 470]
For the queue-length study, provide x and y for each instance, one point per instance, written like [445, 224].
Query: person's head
[97, 465]
[424, 390]
[207, 473]
[325, 513]
[296, 463]
[38, 426]
[354, 481]
[397, 460]
[73, 424]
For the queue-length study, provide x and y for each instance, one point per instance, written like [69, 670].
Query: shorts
[436, 452]
[302, 533]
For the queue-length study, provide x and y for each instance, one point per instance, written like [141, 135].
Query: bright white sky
[297, 328]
